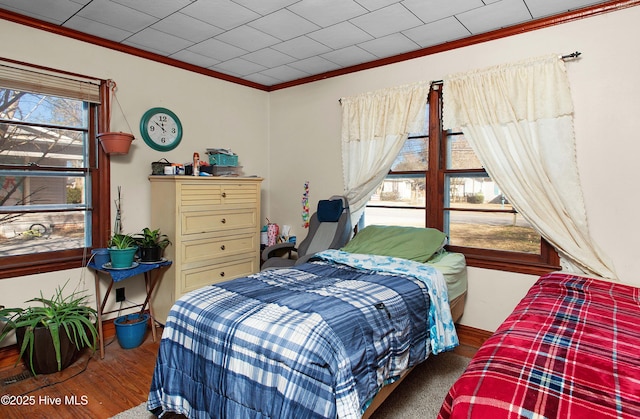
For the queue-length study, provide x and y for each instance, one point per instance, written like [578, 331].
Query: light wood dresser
[214, 226]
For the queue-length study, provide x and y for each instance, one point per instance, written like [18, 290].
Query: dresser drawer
[240, 193]
[218, 247]
[199, 277]
[195, 222]
[200, 193]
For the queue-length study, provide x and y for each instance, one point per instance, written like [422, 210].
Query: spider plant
[59, 315]
[122, 241]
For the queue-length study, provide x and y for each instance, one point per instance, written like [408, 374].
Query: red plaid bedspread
[570, 349]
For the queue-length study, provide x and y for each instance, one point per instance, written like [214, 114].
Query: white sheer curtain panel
[519, 120]
[375, 126]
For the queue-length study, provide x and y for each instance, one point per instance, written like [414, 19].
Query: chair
[329, 228]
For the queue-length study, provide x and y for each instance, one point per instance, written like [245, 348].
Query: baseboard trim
[470, 336]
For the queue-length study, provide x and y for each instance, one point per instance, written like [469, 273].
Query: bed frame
[457, 309]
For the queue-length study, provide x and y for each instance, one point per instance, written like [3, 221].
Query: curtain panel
[519, 120]
[375, 126]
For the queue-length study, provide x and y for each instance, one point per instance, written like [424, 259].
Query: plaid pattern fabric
[570, 349]
[318, 340]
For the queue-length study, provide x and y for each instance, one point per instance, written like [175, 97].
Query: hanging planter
[115, 143]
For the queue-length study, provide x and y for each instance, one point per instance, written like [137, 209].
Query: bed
[568, 350]
[321, 339]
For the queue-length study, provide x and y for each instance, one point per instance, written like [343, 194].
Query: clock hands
[160, 125]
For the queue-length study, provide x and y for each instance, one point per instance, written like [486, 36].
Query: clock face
[161, 129]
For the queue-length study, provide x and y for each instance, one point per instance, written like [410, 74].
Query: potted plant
[122, 250]
[151, 244]
[51, 336]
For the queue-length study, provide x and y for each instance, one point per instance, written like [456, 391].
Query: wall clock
[161, 129]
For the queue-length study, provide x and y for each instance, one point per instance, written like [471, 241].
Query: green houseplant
[51, 334]
[122, 250]
[152, 244]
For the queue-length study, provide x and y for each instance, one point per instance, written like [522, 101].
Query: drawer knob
[222, 247]
[223, 221]
[221, 273]
[224, 194]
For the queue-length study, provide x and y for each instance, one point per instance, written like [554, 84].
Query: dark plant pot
[151, 254]
[44, 354]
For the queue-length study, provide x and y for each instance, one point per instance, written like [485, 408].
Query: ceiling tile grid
[276, 41]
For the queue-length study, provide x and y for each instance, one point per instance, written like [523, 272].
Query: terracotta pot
[115, 142]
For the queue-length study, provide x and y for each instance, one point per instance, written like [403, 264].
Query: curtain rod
[564, 57]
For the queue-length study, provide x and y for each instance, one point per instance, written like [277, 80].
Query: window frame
[99, 167]
[526, 263]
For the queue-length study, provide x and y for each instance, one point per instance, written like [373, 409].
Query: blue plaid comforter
[318, 340]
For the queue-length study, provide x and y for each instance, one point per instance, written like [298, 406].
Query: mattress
[317, 340]
[568, 350]
[453, 267]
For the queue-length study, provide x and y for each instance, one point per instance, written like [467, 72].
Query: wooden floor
[105, 388]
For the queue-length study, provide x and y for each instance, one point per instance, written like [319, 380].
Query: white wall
[293, 135]
[305, 138]
[214, 113]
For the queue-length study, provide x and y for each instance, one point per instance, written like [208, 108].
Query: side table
[117, 275]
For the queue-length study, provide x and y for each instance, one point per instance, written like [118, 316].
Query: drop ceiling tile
[269, 57]
[301, 47]
[391, 19]
[435, 33]
[349, 56]
[239, 66]
[265, 7]
[314, 65]
[543, 8]
[285, 73]
[263, 79]
[98, 29]
[217, 49]
[376, 4]
[284, 25]
[116, 15]
[278, 40]
[389, 45]
[495, 16]
[432, 10]
[158, 41]
[247, 38]
[340, 35]
[186, 27]
[53, 11]
[224, 14]
[191, 57]
[327, 12]
[156, 8]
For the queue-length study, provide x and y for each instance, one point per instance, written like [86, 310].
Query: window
[438, 181]
[51, 171]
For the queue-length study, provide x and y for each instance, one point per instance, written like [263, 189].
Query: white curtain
[519, 120]
[375, 126]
